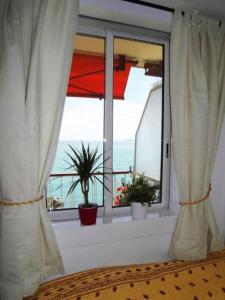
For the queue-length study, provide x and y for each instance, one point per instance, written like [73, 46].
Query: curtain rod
[157, 6]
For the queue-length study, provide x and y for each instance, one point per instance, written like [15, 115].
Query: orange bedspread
[174, 280]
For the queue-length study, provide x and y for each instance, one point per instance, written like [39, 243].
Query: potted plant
[139, 194]
[54, 203]
[87, 164]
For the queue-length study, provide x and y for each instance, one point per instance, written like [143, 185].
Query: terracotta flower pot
[88, 213]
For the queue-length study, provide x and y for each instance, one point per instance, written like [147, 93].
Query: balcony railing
[59, 184]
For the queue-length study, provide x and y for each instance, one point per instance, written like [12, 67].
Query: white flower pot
[139, 211]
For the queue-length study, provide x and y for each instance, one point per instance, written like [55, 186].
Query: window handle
[167, 150]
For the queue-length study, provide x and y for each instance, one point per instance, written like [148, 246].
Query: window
[117, 100]
[137, 120]
[82, 120]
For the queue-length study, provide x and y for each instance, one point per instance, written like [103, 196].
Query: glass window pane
[137, 116]
[82, 121]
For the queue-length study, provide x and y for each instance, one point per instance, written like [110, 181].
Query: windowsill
[123, 218]
[136, 241]
[85, 247]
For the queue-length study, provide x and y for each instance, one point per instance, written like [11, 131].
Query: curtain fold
[36, 39]
[197, 106]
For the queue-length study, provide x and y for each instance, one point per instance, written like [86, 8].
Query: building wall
[148, 137]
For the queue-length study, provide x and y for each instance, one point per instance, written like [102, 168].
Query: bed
[174, 280]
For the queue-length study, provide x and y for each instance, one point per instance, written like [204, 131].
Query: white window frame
[109, 30]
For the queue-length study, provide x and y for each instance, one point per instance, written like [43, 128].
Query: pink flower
[123, 189]
[116, 201]
[121, 194]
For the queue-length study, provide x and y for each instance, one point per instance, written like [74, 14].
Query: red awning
[87, 76]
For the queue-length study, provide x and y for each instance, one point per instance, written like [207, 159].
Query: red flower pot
[88, 213]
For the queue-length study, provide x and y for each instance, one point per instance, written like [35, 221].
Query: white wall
[129, 13]
[126, 242]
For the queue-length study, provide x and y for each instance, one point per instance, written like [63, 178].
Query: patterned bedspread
[174, 280]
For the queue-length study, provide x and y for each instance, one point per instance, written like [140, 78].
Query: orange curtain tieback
[16, 203]
[182, 203]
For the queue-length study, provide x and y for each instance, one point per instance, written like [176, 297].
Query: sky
[83, 118]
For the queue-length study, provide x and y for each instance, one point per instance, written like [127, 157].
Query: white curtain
[36, 45]
[198, 106]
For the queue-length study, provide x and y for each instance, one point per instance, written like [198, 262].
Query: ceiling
[212, 8]
[148, 17]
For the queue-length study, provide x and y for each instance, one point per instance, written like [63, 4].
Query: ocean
[57, 187]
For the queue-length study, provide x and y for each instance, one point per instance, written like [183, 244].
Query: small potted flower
[140, 193]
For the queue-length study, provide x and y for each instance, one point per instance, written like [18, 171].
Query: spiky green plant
[88, 165]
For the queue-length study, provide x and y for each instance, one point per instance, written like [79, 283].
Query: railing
[59, 184]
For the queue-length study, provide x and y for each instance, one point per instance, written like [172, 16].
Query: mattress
[174, 280]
